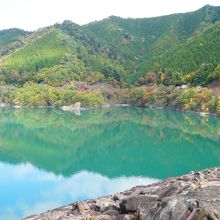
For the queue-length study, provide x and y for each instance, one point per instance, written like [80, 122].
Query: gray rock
[190, 197]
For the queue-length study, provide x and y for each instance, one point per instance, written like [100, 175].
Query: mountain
[10, 35]
[115, 50]
[149, 41]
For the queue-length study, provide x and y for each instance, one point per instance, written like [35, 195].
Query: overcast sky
[33, 14]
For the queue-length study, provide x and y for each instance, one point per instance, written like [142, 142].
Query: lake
[49, 158]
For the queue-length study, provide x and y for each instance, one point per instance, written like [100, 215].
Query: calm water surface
[49, 158]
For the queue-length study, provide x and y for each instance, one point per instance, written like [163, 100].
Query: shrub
[89, 98]
[32, 94]
[218, 106]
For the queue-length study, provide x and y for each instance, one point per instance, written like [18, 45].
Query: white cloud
[92, 185]
[26, 190]
[32, 14]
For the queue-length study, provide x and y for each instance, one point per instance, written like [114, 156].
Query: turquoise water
[49, 158]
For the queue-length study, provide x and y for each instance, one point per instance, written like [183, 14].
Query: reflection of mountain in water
[112, 142]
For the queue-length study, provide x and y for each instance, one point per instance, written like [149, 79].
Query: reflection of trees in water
[113, 142]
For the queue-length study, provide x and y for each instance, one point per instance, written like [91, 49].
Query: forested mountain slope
[142, 41]
[112, 49]
[10, 35]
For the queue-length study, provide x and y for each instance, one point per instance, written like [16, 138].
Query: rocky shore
[191, 197]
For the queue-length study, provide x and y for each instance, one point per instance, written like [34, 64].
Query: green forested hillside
[10, 35]
[201, 48]
[45, 51]
[79, 56]
[164, 51]
[116, 49]
[146, 44]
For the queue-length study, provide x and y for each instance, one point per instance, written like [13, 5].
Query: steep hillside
[140, 41]
[59, 52]
[116, 50]
[203, 47]
[10, 35]
[11, 39]
[45, 51]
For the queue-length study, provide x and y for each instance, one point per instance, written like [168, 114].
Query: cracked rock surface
[189, 197]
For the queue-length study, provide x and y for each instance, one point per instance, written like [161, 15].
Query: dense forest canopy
[115, 49]
[173, 50]
[10, 35]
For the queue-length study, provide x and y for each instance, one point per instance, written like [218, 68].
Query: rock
[77, 105]
[17, 106]
[134, 203]
[3, 105]
[192, 197]
[73, 108]
[203, 114]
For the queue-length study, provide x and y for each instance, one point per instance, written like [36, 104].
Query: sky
[33, 14]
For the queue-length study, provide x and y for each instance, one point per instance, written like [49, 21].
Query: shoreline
[105, 106]
[192, 196]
